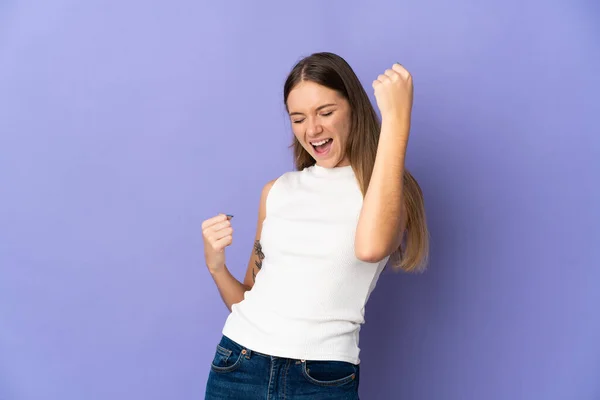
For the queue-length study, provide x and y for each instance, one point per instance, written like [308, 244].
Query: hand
[394, 92]
[218, 234]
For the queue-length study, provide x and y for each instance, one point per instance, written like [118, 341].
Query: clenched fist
[394, 92]
[218, 234]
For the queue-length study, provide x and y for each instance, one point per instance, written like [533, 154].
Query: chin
[328, 163]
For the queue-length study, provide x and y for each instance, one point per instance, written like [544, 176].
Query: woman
[324, 234]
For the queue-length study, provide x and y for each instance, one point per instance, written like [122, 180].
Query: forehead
[310, 95]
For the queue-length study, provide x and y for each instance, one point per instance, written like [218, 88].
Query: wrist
[396, 117]
[395, 127]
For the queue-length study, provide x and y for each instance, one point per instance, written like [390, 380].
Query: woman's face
[320, 119]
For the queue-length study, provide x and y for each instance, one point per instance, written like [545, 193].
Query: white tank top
[308, 301]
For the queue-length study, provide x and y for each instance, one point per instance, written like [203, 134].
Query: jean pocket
[228, 356]
[329, 373]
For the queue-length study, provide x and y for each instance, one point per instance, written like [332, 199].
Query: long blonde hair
[334, 72]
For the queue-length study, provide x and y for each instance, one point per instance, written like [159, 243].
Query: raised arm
[383, 215]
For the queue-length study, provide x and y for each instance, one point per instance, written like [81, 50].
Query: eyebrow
[318, 108]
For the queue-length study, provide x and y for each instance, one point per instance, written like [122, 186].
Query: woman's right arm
[231, 290]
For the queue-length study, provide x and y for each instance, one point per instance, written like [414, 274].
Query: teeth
[320, 143]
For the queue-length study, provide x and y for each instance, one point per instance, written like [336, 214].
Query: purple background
[125, 124]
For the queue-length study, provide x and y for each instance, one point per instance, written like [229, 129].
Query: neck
[338, 171]
[343, 163]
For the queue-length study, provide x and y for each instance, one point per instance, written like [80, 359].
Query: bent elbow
[369, 255]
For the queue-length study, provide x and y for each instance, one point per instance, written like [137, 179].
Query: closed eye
[326, 114]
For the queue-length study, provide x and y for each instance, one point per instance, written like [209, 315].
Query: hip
[238, 372]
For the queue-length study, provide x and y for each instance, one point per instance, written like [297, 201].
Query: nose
[313, 127]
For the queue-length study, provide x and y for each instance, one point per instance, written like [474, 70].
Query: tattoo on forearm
[260, 256]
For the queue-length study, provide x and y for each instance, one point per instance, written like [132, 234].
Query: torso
[308, 299]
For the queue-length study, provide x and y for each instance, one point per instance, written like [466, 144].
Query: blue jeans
[238, 373]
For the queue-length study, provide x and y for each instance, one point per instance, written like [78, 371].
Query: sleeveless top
[308, 300]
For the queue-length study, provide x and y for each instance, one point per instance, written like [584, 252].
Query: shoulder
[285, 179]
[267, 188]
[283, 183]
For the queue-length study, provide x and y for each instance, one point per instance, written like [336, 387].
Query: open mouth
[322, 146]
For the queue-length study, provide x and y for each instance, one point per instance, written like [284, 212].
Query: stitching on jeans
[270, 379]
[225, 352]
[287, 367]
[335, 383]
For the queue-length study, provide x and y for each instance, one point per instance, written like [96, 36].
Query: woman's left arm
[383, 215]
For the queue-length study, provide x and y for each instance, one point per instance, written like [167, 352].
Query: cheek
[342, 130]
[297, 134]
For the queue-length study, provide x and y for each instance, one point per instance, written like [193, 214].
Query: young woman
[324, 234]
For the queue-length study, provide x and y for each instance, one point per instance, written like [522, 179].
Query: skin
[382, 218]
[317, 112]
